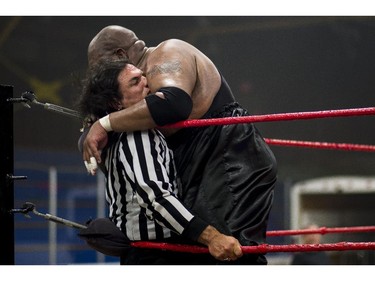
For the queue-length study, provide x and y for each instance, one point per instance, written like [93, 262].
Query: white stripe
[132, 207]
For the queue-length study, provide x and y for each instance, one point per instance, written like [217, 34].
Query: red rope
[266, 248]
[263, 248]
[322, 145]
[341, 246]
[321, 230]
[274, 117]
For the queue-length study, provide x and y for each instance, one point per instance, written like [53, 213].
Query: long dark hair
[100, 89]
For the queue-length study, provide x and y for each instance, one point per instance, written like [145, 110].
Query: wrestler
[228, 173]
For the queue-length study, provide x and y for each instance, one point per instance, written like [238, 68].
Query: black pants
[228, 174]
[139, 256]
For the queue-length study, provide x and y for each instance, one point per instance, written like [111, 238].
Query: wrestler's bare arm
[134, 118]
[172, 63]
[179, 64]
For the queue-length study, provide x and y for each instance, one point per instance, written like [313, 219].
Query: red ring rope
[274, 117]
[285, 117]
[263, 248]
[321, 230]
[267, 248]
[322, 145]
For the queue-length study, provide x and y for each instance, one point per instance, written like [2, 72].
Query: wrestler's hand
[95, 141]
[220, 246]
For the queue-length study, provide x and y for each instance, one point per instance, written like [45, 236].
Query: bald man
[227, 173]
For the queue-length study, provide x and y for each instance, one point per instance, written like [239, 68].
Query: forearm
[207, 235]
[220, 246]
[134, 118]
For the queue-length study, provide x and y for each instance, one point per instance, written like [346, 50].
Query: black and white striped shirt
[141, 186]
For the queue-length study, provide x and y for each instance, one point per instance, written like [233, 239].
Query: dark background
[273, 64]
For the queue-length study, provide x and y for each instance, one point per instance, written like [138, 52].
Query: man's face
[132, 85]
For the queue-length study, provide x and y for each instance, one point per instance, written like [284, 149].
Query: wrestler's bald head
[109, 42]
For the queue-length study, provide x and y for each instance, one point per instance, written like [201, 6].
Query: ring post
[6, 176]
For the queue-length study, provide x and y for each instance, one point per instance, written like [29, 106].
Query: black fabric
[228, 174]
[105, 237]
[223, 97]
[175, 106]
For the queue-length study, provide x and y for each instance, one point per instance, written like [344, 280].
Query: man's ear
[121, 53]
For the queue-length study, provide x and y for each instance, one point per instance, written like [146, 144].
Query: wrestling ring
[8, 210]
